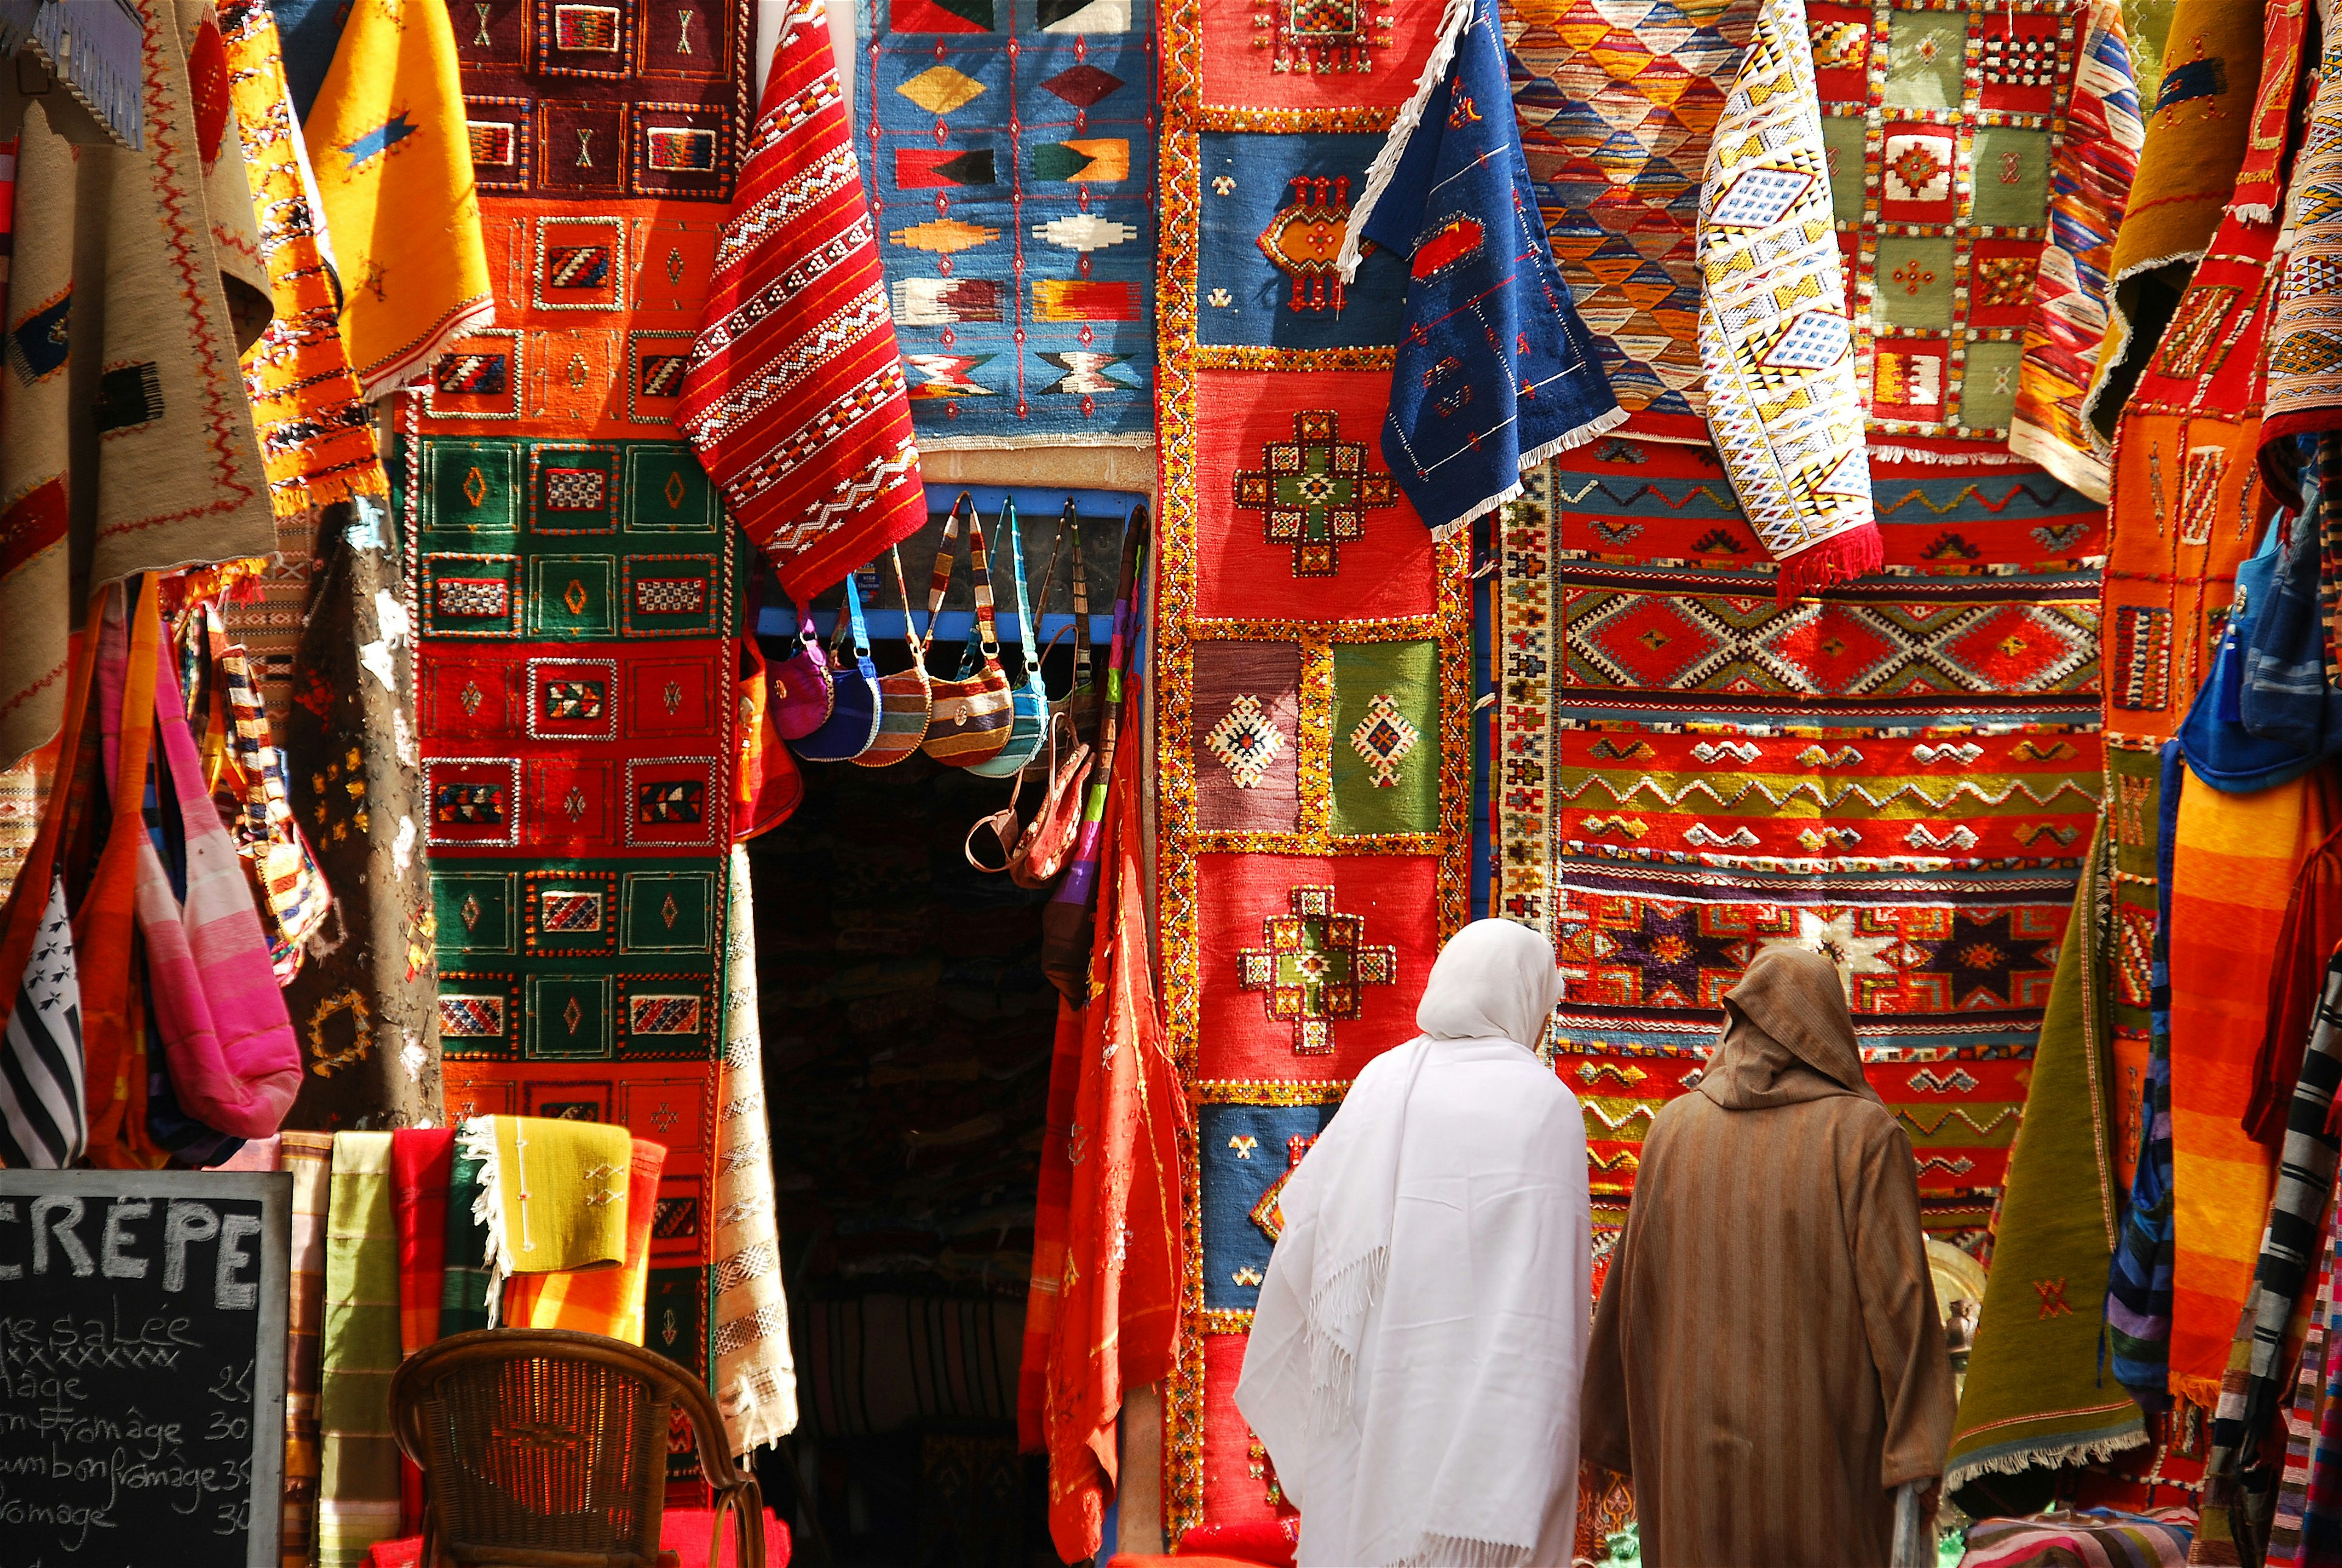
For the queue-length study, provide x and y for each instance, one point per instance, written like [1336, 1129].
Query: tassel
[1840, 558]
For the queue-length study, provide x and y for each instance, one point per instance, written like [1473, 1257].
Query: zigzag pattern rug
[1905, 774]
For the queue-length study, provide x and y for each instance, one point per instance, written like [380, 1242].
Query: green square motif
[2012, 177]
[1926, 57]
[1385, 738]
[473, 911]
[667, 911]
[474, 487]
[568, 1019]
[572, 596]
[1842, 139]
[1988, 387]
[1912, 283]
[666, 490]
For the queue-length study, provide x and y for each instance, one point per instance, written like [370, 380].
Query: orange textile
[1117, 1309]
[603, 1301]
[2233, 863]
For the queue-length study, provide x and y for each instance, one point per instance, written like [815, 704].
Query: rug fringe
[2015, 1461]
[477, 1140]
[1840, 558]
[1435, 1551]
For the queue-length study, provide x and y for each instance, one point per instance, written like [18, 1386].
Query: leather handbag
[1048, 840]
[1081, 701]
[973, 712]
[802, 693]
[906, 700]
[853, 721]
[1029, 701]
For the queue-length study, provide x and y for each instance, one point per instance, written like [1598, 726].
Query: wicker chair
[547, 1449]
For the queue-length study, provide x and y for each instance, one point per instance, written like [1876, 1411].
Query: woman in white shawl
[1415, 1363]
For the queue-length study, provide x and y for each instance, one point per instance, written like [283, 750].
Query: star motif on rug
[1384, 738]
[1247, 741]
[1314, 492]
[1266, 1214]
[1315, 967]
[1837, 939]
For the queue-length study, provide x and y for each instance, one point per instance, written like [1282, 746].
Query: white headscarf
[1414, 1361]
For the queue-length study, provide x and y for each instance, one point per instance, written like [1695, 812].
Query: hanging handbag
[1029, 701]
[1041, 851]
[853, 721]
[766, 788]
[803, 694]
[1080, 702]
[906, 701]
[973, 710]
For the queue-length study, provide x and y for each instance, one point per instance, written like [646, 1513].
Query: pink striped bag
[227, 1039]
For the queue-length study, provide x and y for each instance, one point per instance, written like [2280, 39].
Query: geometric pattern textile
[1905, 775]
[1939, 127]
[1310, 654]
[1009, 150]
[575, 587]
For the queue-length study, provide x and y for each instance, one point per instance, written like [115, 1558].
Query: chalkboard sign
[142, 1367]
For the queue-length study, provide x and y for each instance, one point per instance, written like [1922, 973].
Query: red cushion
[683, 1539]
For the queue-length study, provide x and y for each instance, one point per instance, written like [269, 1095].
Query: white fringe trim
[2253, 213]
[1344, 1298]
[477, 1140]
[1463, 1552]
[2018, 1458]
[1457, 16]
[1600, 424]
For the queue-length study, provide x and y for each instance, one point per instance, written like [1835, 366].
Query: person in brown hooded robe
[1768, 1364]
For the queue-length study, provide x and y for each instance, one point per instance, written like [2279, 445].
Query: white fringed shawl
[1414, 1361]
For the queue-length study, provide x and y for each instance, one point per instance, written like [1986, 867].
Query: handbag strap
[1007, 527]
[850, 619]
[1069, 523]
[939, 580]
[910, 635]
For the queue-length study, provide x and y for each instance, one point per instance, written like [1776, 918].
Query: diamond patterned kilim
[1903, 775]
[575, 589]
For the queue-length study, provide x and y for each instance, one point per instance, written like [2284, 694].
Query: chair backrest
[547, 1449]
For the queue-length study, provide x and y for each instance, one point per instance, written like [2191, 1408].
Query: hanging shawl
[795, 398]
[1774, 338]
[1115, 1289]
[1494, 374]
[1415, 1360]
[127, 443]
[394, 164]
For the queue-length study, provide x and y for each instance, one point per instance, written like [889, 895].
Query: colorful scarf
[2304, 340]
[357, 1496]
[2187, 164]
[387, 139]
[309, 1157]
[1774, 336]
[251, 790]
[316, 435]
[552, 1193]
[755, 1382]
[2321, 1531]
[2311, 931]
[795, 398]
[2034, 1396]
[2139, 1285]
[2090, 179]
[2233, 859]
[1118, 1304]
[603, 1301]
[1496, 374]
[2303, 1417]
[2238, 1490]
[421, 1162]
